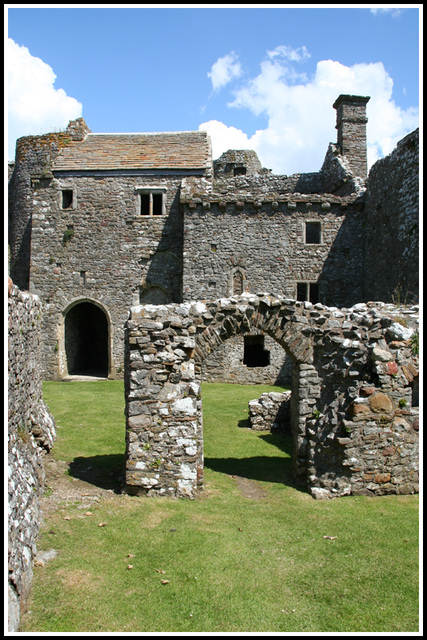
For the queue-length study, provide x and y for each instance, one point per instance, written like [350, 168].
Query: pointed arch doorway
[86, 337]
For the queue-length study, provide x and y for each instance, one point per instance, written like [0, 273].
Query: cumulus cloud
[35, 106]
[224, 70]
[301, 120]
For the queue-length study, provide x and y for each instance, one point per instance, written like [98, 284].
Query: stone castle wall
[31, 432]
[265, 241]
[391, 230]
[112, 258]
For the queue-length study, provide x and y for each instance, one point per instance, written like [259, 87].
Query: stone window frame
[242, 274]
[67, 187]
[140, 190]
[317, 222]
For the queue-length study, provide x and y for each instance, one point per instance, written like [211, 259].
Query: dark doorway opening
[86, 340]
[254, 353]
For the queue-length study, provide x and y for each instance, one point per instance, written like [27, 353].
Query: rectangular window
[308, 291]
[254, 353]
[67, 199]
[150, 202]
[312, 233]
[302, 291]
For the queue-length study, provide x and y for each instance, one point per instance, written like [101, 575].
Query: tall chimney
[351, 125]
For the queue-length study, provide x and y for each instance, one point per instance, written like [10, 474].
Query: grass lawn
[234, 560]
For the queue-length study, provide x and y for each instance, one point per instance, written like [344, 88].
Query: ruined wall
[354, 404]
[31, 431]
[391, 229]
[226, 364]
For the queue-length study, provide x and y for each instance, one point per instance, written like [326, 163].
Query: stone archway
[344, 391]
[86, 339]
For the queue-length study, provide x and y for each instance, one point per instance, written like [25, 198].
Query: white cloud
[393, 11]
[224, 70]
[34, 105]
[301, 120]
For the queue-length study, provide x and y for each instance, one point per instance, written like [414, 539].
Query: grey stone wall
[391, 230]
[31, 432]
[271, 411]
[353, 409]
[265, 241]
[113, 258]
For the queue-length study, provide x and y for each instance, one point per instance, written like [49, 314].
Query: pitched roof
[175, 150]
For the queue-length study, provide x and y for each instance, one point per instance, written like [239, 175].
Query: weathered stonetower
[351, 125]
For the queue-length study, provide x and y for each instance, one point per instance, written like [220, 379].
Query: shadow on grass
[263, 468]
[106, 472]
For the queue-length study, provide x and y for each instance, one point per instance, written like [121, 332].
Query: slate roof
[98, 151]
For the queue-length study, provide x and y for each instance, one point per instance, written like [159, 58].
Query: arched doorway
[86, 340]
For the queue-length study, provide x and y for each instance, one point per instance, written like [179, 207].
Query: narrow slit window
[312, 233]
[67, 198]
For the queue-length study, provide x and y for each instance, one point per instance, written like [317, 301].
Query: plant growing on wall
[68, 235]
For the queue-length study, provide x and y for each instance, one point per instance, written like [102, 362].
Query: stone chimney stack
[78, 129]
[351, 125]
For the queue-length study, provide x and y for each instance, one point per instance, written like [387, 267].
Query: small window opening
[237, 283]
[302, 291]
[254, 354]
[416, 392]
[157, 204]
[313, 294]
[67, 198]
[151, 204]
[145, 204]
[312, 233]
[239, 171]
[308, 291]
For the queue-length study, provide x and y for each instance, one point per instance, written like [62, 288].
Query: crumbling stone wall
[343, 359]
[271, 411]
[31, 432]
[391, 230]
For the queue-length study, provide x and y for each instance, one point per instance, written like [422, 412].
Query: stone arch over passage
[86, 339]
[345, 402]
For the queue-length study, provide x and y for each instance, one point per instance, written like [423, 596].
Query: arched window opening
[86, 340]
[238, 283]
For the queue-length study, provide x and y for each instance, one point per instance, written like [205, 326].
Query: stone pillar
[351, 126]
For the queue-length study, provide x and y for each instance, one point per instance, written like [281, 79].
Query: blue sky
[260, 77]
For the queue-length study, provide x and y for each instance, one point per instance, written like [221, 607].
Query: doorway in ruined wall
[247, 469]
[86, 340]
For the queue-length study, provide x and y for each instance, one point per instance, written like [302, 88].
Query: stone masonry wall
[265, 241]
[391, 227]
[31, 431]
[112, 257]
[226, 364]
[354, 404]
[270, 411]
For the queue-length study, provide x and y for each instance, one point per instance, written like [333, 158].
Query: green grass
[234, 563]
